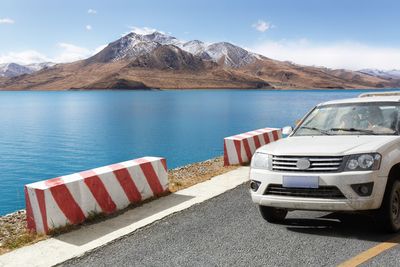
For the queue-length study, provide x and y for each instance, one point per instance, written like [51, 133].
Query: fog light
[363, 190]
[254, 185]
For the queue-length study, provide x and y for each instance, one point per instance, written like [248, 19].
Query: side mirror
[287, 130]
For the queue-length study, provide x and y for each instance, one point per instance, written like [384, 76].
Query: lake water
[48, 134]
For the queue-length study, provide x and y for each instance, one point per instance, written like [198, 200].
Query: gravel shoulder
[13, 233]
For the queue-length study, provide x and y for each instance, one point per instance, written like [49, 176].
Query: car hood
[328, 145]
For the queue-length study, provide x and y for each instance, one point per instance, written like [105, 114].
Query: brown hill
[122, 75]
[288, 75]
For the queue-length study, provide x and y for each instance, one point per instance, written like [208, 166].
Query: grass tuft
[21, 240]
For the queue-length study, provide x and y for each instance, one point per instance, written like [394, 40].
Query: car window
[375, 118]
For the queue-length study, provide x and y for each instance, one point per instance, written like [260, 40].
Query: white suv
[344, 155]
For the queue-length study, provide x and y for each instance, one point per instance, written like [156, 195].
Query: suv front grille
[331, 192]
[317, 163]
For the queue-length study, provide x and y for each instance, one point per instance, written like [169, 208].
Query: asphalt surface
[228, 230]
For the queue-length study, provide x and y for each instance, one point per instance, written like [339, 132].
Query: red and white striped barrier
[71, 199]
[239, 149]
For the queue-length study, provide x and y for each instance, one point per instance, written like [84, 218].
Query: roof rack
[380, 94]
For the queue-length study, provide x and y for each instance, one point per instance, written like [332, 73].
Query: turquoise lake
[48, 134]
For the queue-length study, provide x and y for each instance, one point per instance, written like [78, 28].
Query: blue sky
[350, 34]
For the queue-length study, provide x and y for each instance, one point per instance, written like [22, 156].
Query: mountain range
[14, 69]
[158, 60]
[385, 74]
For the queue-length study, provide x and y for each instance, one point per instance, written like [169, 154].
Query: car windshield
[372, 118]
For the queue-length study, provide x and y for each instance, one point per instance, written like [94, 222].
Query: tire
[389, 213]
[273, 215]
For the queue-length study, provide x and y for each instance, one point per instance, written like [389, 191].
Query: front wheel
[389, 213]
[273, 215]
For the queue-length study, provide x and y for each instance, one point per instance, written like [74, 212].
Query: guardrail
[73, 198]
[239, 149]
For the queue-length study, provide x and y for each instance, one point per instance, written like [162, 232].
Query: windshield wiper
[354, 130]
[315, 129]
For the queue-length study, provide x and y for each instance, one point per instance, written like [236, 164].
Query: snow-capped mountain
[229, 54]
[385, 74]
[133, 45]
[223, 53]
[40, 66]
[194, 47]
[129, 46]
[14, 69]
[161, 38]
[197, 48]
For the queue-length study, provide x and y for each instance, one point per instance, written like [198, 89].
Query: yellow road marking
[370, 253]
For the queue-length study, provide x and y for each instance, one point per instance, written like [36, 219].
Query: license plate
[301, 181]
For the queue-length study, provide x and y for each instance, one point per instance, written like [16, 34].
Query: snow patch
[386, 74]
[14, 69]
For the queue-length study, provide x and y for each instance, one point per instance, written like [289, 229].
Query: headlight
[363, 162]
[261, 161]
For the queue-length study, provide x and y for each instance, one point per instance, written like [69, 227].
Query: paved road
[228, 230]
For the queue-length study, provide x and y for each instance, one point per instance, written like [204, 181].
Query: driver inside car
[374, 117]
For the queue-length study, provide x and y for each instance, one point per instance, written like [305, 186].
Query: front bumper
[342, 181]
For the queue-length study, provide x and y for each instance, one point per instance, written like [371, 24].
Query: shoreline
[13, 232]
[198, 89]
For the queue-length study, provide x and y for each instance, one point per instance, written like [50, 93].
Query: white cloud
[67, 53]
[88, 27]
[91, 11]
[23, 57]
[349, 55]
[99, 48]
[143, 30]
[6, 21]
[70, 52]
[262, 25]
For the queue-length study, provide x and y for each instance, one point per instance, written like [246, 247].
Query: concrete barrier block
[72, 198]
[239, 149]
